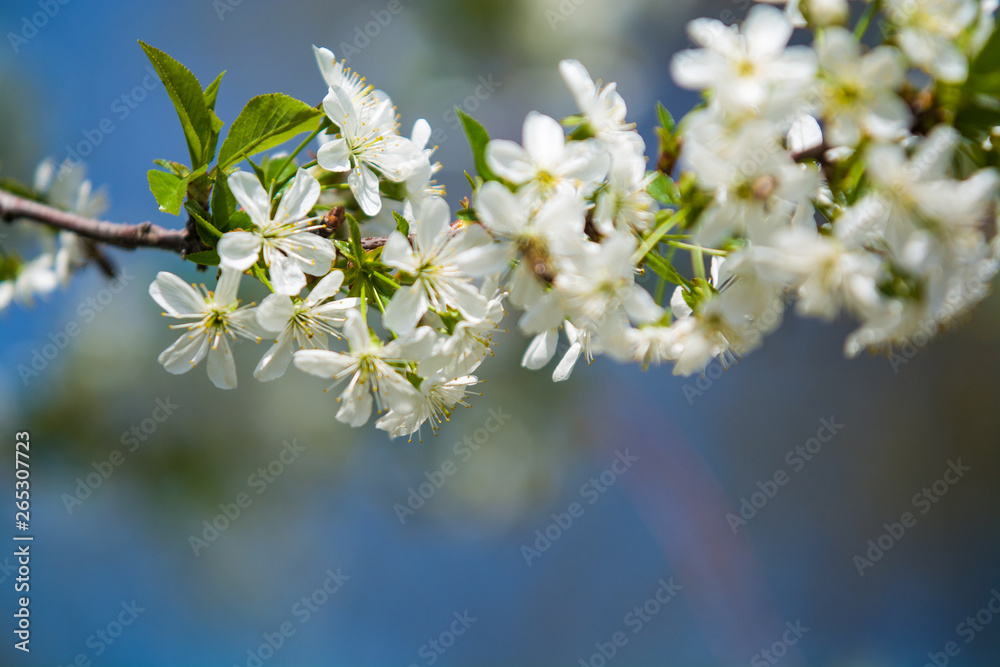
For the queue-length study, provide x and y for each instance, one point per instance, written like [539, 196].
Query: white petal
[274, 312]
[275, 362]
[398, 254]
[509, 161]
[334, 155]
[326, 288]
[251, 196]
[239, 250]
[433, 221]
[228, 286]
[221, 365]
[566, 364]
[543, 139]
[175, 296]
[421, 133]
[364, 185]
[185, 353]
[541, 350]
[323, 363]
[500, 210]
[286, 275]
[299, 199]
[405, 309]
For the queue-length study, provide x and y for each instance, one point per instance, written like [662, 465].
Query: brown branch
[123, 235]
[142, 235]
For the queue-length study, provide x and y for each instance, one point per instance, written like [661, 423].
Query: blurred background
[537, 548]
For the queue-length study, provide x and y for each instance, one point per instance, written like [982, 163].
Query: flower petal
[405, 309]
[221, 365]
[239, 250]
[175, 296]
[251, 196]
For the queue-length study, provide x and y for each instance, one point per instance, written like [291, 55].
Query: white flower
[929, 31]
[602, 282]
[548, 163]
[367, 146]
[289, 250]
[34, 278]
[437, 399]
[437, 261]
[603, 108]
[307, 322]
[337, 75]
[66, 187]
[757, 186]
[217, 318]
[652, 345]
[745, 69]
[858, 91]
[827, 275]
[915, 192]
[542, 237]
[374, 372]
[469, 343]
[624, 203]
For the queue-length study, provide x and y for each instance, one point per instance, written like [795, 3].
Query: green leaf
[666, 119]
[205, 258]
[169, 190]
[240, 220]
[664, 190]
[208, 233]
[402, 224]
[223, 202]
[212, 91]
[189, 99]
[478, 139]
[19, 189]
[177, 168]
[988, 59]
[265, 122]
[359, 252]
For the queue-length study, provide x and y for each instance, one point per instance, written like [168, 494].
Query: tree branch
[122, 235]
[142, 235]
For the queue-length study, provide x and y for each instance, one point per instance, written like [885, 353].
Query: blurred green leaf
[402, 224]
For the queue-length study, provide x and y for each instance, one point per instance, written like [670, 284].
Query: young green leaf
[189, 99]
[402, 224]
[265, 122]
[666, 119]
[664, 190]
[478, 139]
[223, 202]
[205, 258]
[169, 190]
[212, 91]
[208, 233]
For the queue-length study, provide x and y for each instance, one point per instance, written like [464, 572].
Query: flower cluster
[843, 178]
[827, 174]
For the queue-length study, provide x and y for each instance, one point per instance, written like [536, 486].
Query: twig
[122, 235]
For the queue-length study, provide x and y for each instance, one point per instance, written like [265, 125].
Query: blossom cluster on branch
[833, 177]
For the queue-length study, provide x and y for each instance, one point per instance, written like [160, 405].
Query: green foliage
[169, 190]
[200, 124]
[206, 230]
[402, 224]
[205, 258]
[664, 190]
[478, 139]
[265, 122]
